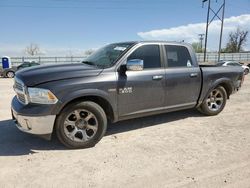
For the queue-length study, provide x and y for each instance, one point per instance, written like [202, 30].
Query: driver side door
[142, 91]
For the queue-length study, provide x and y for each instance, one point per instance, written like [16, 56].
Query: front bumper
[37, 124]
[40, 125]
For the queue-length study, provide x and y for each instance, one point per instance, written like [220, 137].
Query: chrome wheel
[10, 74]
[80, 125]
[215, 100]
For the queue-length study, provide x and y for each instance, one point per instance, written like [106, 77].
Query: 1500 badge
[125, 90]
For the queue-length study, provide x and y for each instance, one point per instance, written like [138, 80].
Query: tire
[246, 71]
[215, 102]
[10, 74]
[81, 125]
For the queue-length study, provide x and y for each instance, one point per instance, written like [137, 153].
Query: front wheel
[81, 125]
[215, 102]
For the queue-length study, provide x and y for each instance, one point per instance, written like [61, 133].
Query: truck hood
[47, 73]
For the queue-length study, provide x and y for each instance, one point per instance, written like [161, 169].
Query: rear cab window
[178, 56]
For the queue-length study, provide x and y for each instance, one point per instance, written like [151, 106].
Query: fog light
[29, 127]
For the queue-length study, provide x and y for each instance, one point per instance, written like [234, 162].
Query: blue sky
[69, 25]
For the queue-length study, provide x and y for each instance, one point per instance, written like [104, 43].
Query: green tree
[197, 47]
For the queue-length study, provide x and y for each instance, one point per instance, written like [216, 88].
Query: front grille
[19, 88]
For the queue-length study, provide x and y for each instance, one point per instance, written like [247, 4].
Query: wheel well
[227, 87]
[9, 71]
[106, 106]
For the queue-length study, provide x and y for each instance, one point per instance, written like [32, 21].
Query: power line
[116, 4]
[88, 6]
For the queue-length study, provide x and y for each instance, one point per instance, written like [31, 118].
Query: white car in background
[234, 63]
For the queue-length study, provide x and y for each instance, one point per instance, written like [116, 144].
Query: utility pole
[221, 18]
[201, 37]
[222, 25]
[208, 12]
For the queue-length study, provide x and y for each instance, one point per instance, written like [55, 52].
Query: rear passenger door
[183, 78]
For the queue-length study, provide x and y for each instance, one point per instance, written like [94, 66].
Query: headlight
[41, 96]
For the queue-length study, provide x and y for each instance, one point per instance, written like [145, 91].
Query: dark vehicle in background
[117, 82]
[10, 72]
[26, 65]
[236, 64]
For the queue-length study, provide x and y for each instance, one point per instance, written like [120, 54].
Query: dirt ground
[179, 149]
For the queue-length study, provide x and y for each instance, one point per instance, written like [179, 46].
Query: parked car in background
[10, 72]
[234, 63]
[27, 64]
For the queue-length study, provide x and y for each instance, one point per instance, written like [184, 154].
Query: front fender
[86, 93]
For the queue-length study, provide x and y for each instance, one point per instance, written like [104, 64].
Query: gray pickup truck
[117, 82]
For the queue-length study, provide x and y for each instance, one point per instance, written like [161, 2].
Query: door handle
[192, 75]
[157, 77]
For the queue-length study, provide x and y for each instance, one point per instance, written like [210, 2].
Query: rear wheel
[246, 71]
[215, 102]
[81, 125]
[10, 74]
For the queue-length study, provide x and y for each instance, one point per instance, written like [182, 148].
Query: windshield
[108, 55]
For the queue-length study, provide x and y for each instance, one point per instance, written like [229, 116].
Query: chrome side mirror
[135, 65]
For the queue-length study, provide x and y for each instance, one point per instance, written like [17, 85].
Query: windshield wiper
[89, 63]
[96, 65]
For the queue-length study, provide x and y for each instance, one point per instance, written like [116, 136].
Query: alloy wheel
[215, 100]
[80, 125]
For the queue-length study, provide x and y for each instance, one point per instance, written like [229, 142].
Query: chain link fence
[211, 57]
[47, 60]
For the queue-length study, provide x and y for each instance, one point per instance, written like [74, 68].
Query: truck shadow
[14, 142]
[138, 123]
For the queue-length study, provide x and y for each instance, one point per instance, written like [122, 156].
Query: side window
[236, 64]
[150, 54]
[178, 56]
[25, 65]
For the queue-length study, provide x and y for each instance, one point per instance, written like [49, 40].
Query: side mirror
[135, 65]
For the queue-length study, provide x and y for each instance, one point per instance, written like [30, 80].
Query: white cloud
[190, 32]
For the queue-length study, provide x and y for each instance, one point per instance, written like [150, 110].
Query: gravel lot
[179, 149]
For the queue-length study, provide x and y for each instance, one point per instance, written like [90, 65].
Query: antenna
[209, 21]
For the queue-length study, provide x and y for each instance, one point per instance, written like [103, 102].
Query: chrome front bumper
[37, 125]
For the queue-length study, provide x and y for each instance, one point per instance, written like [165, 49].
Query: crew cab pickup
[117, 82]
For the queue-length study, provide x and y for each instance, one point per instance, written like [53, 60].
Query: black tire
[246, 71]
[214, 107]
[80, 107]
[10, 74]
